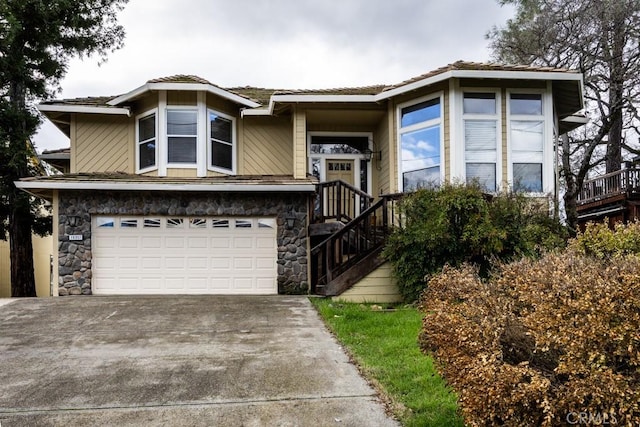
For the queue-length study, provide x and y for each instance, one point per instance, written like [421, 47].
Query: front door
[341, 169]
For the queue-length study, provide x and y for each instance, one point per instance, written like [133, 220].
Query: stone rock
[75, 291]
[62, 291]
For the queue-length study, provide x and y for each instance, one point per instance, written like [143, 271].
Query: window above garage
[185, 137]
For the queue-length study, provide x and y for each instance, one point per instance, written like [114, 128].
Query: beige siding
[102, 144]
[266, 146]
[299, 144]
[381, 168]
[42, 250]
[378, 286]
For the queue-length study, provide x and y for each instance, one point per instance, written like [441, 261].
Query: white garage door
[183, 255]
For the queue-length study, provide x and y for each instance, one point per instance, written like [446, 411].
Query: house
[181, 186]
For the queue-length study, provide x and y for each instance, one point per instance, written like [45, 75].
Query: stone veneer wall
[74, 257]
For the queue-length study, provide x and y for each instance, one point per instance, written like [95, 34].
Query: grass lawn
[385, 346]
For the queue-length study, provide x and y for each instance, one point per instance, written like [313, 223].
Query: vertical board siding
[102, 144]
[267, 146]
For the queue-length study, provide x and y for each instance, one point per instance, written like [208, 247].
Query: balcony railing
[625, 181]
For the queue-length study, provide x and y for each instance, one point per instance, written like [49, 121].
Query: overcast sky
[284, 44]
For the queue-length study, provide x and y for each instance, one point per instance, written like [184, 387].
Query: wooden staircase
[348, 233]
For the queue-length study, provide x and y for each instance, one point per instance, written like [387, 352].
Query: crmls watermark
[591, 419]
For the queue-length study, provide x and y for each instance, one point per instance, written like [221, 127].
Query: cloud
[285, 43]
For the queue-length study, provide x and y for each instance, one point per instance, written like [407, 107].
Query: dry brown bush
[539, 341]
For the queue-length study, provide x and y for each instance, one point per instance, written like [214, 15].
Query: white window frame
[197, 136]
[234, 144]
[497, 117]
[148, 113]
[422, 125]
[547, 131]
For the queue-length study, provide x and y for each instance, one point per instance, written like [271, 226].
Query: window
[193, 137]
[480, 116]
[182, 136]
[420, 138]
[221, 148]
[146, 142]
[526, 127]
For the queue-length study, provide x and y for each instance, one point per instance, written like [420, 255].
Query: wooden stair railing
[355, 244]
[340, 201]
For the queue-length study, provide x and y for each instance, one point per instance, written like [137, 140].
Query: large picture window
[420, 140]
[480, 115]
[146, 142]
[526, 126]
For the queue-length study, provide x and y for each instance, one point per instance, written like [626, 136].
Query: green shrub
[458, 223]
[541, 342]
[599, 241]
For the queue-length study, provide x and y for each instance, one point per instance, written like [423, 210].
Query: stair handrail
[339, 211]
[365, 230]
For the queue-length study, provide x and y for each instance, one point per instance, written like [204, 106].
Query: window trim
[497, 117]
[418, 126]
[148, 113]
[547, 120]
[234, 143]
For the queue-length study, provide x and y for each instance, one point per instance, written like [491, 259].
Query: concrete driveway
[180, 361]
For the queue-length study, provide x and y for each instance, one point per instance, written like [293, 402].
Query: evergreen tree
[37, 40]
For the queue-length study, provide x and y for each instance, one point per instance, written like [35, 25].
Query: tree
[37, 40]
[600, 38]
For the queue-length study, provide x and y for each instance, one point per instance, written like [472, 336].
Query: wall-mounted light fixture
[73, 220]
[290, 222]
[372, 155]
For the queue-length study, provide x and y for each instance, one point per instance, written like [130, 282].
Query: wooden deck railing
[358, 239]
[340, 201]
[624, 181]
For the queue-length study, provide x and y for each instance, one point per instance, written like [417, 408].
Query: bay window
[420, 140]
[182, 137]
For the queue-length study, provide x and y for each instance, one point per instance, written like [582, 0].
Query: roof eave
[480, 74]
[86, 109]
[35, 186]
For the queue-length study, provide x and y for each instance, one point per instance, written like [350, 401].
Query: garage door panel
[243, 242]
[184, 255]
[221, 242]
[128, 242]
[175, 263]
[265, 243]
[174, 242]
[243, 263]
[197, 263]
[222, 264]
